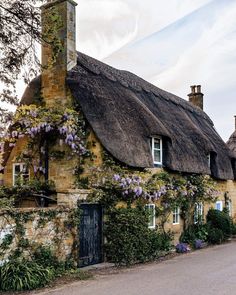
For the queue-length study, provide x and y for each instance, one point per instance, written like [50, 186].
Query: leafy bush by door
[129, 240]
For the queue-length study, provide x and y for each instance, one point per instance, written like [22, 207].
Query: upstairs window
[152, 215]
[156, 144]
[20, 173]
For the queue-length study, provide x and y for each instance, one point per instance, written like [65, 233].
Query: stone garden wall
[24, 230]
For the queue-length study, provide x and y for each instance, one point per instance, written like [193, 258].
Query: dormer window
[209, 160]
[156, 144]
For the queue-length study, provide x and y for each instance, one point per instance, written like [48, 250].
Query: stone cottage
[137, 123]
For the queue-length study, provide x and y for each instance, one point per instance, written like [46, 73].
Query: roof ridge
[129, 79]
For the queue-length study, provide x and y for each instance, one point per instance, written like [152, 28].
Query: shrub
[215, 236]
[193, 233]
[219, 220]
[129, 240]
[43, 256]
[182, 248]
[19, 275]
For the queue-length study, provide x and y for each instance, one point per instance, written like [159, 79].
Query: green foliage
[6, 201]
[6, 242]
[219, 220]
[11, 196]
[44, 256]
[19, 275]
[129, 240]
[194, 232]
[215, 236]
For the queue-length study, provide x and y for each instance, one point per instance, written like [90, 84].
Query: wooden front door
[90, 249]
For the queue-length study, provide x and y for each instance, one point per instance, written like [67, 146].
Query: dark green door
[90, 249]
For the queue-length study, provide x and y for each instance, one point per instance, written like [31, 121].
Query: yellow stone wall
[53, 232]
[16, 151]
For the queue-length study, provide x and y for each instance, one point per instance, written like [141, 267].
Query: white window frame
[152, 224]
[198, 212]
[21, 169]
[219, 203]
[160, 150]
[176, 215]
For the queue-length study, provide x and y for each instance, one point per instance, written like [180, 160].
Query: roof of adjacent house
[231, 143]
[125, 111]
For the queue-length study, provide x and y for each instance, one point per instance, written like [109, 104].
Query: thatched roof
[231, 143]
[125, 111]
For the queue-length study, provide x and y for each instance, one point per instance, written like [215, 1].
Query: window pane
[16, 169]
[151, 217]
[219, 205]
[157, 144]
[25, 169]
[157, 156]
[176, 215]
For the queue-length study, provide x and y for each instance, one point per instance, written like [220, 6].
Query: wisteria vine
[39, 124]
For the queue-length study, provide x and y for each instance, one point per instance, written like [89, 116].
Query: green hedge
[129, 240]
[220, 220]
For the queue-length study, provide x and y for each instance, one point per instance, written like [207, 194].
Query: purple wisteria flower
[116, 177]
[182, 248]
[198, 244]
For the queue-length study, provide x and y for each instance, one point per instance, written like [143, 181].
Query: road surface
[205, 272]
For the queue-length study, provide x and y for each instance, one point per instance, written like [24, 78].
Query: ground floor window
[219, 205]
[176, 215]
[20, 173]
[198, 212]
[152, 215]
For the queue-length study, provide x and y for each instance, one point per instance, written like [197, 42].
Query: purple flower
[182, 248]
[128, 180]
[198, 244]
[116, 177]
[139, 191]
[48, 128]
[14, 133]
[69, 137]
[35, 169]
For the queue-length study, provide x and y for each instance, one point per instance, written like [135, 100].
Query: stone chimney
[58, 23]
[196, 96]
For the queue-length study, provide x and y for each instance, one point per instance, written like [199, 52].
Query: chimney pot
[193, 88]
[198, 88]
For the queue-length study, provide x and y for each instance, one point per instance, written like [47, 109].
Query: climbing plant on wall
[43, 129]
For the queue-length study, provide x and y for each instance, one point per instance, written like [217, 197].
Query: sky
[172, 44]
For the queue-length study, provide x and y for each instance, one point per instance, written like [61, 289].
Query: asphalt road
[205, 272]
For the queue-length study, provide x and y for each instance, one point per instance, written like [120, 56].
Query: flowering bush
[182, 248]
[198, 244]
